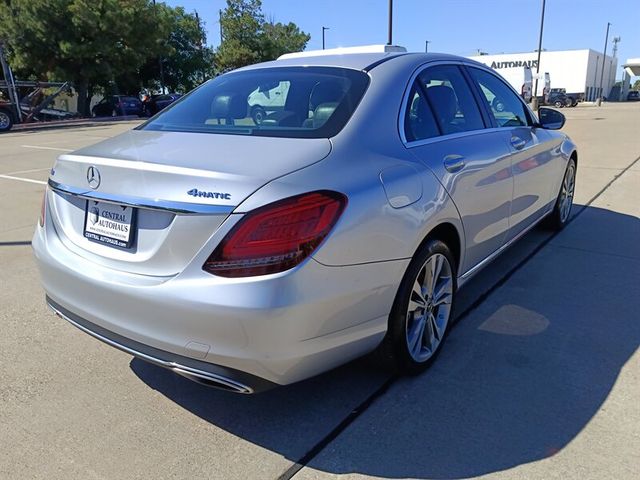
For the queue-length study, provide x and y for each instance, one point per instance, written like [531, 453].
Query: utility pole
[604, 57]
[200, 42]
[323, 30]
[426, 45]
[220, 23]
[534, 101]
[159, 56]
[390, 30]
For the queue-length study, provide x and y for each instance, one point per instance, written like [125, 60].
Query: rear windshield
[294, 102]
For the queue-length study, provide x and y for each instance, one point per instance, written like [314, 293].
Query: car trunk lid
[181, 185]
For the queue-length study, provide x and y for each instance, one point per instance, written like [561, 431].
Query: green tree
[248, 38]
[89, 42]
[186, 59]
[636, 85]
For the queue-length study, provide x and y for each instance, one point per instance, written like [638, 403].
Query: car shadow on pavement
[519, 378]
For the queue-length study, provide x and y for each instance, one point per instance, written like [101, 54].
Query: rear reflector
[43, 208]
[278, 236]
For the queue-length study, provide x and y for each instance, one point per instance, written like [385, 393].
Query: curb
[84, 122]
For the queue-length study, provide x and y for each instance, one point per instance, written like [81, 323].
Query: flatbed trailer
[31, 107]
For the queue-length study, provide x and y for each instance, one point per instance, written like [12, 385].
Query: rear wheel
[420, 316]
[6, 121]
[559, 217]
[497, 104]
[258, 114]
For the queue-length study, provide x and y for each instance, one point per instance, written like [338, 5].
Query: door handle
[453, 163]
[518, 143]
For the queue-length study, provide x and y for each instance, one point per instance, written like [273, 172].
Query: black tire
[497, 105]
[559, 218]
[6, 120]
[394, 351]
[258, 114]
[568, 102]
[558, 104]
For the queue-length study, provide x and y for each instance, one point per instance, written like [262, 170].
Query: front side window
[450, 99]
[294, 102]
[504, 104]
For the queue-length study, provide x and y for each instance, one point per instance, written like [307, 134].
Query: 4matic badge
[194, 192]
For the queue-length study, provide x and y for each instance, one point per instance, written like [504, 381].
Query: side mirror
[550, 119]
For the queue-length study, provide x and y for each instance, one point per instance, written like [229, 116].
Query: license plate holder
[109, 224]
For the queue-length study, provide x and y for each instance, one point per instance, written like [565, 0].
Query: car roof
[356, 61]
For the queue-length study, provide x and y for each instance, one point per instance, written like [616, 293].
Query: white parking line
[28, 180]
[27, 171]
[48, 148]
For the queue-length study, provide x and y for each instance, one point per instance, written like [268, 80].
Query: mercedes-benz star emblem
[93, 177]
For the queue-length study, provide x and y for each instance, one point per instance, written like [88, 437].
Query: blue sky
[453, 26]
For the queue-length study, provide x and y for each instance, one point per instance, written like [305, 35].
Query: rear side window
[450, 99]
[504, 104]
[294, 102]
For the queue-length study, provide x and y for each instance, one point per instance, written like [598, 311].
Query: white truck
[544, 86]
[267, 99]
[521, 79]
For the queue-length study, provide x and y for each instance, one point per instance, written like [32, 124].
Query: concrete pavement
[539, 380]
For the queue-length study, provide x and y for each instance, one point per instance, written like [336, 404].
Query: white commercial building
[577, 71]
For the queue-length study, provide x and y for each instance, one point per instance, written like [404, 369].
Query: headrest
[325, 92]
[444, 102]
[229, 106]
[422, 109]
[322, 113]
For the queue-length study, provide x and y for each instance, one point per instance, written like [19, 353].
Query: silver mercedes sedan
[287, 217]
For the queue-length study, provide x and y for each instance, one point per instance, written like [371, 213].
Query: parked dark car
[633, 96]
[116, 105]
[155, 103]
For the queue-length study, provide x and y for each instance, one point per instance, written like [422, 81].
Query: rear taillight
[278, 236]
[43, 208]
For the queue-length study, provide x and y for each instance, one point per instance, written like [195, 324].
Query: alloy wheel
[566, 192]
[429, 308]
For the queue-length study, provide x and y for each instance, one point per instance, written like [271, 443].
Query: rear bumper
[255, 332]
[198, 371]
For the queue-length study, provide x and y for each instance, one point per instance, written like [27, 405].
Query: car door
[102, 108]
[445, 128]
[534, 171]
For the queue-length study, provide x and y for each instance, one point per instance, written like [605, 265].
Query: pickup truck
[574, 98]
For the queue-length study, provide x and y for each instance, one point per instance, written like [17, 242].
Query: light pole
[593, 95]
[534, 101]
[390, 30]
[426, 45]
[323, 29]
[604, 57]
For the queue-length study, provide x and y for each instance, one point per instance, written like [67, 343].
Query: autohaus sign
[516, 63]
